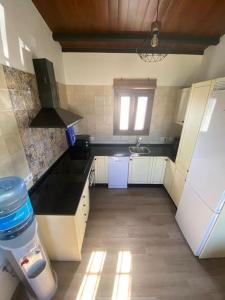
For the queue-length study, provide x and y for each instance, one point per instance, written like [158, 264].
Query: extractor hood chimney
[50, 114]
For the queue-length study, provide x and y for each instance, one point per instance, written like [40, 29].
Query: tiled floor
[134, 250]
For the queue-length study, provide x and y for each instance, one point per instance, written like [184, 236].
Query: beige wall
[25, 35]
[102, 68]
[95, 104]
[42, 146]
[12, 156]
[12, 162]
[213, 62]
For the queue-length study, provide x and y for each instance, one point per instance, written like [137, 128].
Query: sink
[139, 150]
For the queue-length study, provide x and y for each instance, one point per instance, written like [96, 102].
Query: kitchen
[117, 152]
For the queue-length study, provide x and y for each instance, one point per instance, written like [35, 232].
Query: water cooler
[19, 241]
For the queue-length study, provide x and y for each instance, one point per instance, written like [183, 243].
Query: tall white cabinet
[175, 175]
[197, 104]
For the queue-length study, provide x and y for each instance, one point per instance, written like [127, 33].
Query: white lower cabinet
[157, 170]
[63, 236]
[174, 181]
[146, 170]
[169, 175]
[101, 169]
[177, 185]
[139, 170]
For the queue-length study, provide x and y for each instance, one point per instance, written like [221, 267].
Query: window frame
[133, 94]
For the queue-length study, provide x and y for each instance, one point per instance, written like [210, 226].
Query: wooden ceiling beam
[165, 50]
[164, 38]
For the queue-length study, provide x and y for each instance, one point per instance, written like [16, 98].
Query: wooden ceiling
[188, 26]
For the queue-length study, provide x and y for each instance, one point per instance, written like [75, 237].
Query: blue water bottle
[16, 212]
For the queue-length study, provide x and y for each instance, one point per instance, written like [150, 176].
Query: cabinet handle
[85, 215]
[130, 159]
[83, 196]
[84, 204]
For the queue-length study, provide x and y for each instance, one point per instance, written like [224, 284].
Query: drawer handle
[85, 215]
[84, 204]
[83, 196]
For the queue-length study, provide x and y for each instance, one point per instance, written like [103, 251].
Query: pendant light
[145, 51]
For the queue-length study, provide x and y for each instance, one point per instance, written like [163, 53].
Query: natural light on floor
[89, 285]
[122, 283]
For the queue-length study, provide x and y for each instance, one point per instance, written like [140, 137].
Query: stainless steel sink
[139, 150]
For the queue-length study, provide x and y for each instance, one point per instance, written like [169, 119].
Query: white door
[101, 169]
[195, 219]
[157, 170]
[207, 170]
[139, 170]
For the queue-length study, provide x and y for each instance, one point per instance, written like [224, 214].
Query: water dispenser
[19, 240]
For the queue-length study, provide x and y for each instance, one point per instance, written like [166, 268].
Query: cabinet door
[182, 105]
[80, 221]
[101, 169]
[157, 170]
[61, 237]
[169, 175]
[139, 170]
[196, 107]
[85, 200]
[177, 186]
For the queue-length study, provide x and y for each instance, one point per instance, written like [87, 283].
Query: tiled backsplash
[24, 150]
[95, 104]
[21, 101]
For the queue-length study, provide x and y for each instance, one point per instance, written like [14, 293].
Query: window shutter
[134, 84]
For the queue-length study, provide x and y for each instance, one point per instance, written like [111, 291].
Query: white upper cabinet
[139, 170]
[195, 111]
[182, 103]
[101, 169]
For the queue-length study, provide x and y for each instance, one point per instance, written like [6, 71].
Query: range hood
[50, 114]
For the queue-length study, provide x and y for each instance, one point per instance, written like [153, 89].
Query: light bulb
[154, 40]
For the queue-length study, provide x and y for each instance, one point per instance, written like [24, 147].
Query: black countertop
[59, 190]
[123, 150]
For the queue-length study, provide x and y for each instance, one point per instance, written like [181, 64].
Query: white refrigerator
[204, 191]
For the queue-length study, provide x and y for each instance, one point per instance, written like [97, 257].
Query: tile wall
[25, 149]
[12, 156]
[95, 104]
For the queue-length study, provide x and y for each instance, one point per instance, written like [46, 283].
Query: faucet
[138, 142]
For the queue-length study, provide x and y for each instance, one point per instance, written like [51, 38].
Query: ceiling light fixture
[147, 51]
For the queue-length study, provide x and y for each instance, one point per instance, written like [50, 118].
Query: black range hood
[50, 114]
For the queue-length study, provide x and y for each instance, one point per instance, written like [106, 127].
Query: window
[132, 110]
